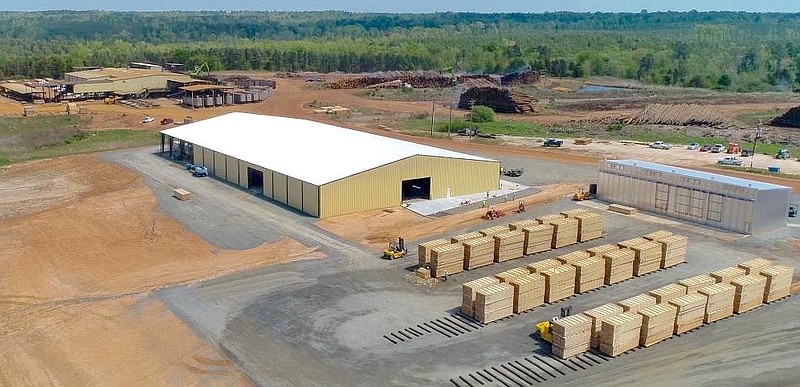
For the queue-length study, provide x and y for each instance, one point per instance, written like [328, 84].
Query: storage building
[325, 170]
[730, 203]
[119, 81]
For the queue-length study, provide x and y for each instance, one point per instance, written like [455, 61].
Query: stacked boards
[571, 335]
[540, 266]
[537, 238]
[494, 302]
[754, 266]
[589, 274]
[691, 311]
[478, 252]
[559, 282]
[637, 303]
[509, 275]
[447, 259]
[692, 284]
[469, 292]
[424, 250]
[598, 251]
[749, 292]
[657, 235]
[726, 275]
[657, 323]
[779, 282]
[666, 293]
[528, 292]
[508, 245]
[465, 237]
[720, 301]
[618, 265]
[673, 250]
[590, 226]
[599, 314]
[620, 333]
[647, 259]
[565, 232]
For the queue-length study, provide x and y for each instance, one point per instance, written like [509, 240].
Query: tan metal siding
[280, 187]
[295, 188]
[197, 156]
[138, 85]
[310, 199]
[232, 172]
[98, 87]
[267, 183]
[219, 166]
[208, 160]
[243, 173]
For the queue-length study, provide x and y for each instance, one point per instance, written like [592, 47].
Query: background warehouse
[324, 170]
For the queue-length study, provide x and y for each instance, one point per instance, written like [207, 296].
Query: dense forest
[725, 50]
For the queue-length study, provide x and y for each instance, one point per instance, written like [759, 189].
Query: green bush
[482, 114]
[454, 127]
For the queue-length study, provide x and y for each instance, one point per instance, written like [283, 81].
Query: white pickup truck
[660, 145]
[729, 160]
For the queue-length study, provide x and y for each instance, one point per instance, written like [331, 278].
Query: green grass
[509, 128]
[758, 171]
[758, 117]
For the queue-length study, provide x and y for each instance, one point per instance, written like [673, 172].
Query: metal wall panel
[268, 183]
[280, 186]
[243, 173]
[197, 156]
[294, 193]
[220, 169]
[310, 199]
[208, 160]
[232, 169]
[771, 210]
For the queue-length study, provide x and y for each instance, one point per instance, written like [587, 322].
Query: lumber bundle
[573, 257]
[658, 323]
[447, 259]
[538, 267]
[545, 219]
[478, 252]
[590, 226]
[600, 313]
[571, 335]
[501, 100]
[491, 231]
[181, 194]
[589, 274]
[519, 225]
[691, 310]
[699, 281]
[508, 245]
[528, 292]
[424, 250]
[619, 208]
[673, 250]
[618, 265]
[636, 303]
[666, 293]
[469, 292]
[602, 249]
[508, 275]
[754, 266]
[779, 282]
[647, 258]
[565, 232]
[538, 238]
[749, 292]
[629, 243]
[465, 237]
[719, 302]
[494, 302]
[657, 235]
[724, 276]
[681, 115]
[559, 282]
[620, 333]
[571, 213]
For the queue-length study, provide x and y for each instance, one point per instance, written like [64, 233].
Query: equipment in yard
[167, 121]
[545, 328]
[553, 143]
[793, 210]
[581, 195]
[111, 100]
[197, 170]
[512, 172]
[395, 250]
[521, 207]
[493, 214]
[783, 154]
[734, 148]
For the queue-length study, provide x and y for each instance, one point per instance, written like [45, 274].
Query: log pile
[720, 301]
[754, 266]
[528, 292]
[469, 292]
[538, 267]
[478, 80]
[779, 282]
[530, 77]
[749, 292]
[691, 310]
[647, 258]
[673, 250]
[790, 119]
[494, 302]
[414, 79]
[666, 293]
[447, 260]
[571, 335]
[619, 265]
[538, 238]
[589, 274]
[637, 303]
[620, 333]
[501, 100]
[424, 250]
[508, 245]
[590, 226]
[724, 276]
[657, 323]
[681, 115]
[600, 313]
[478, 252]
[559, 282]
[565, 232]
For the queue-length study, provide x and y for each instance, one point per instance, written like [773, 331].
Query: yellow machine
[395, 250]
[546, 330]
[111, 100]
[582, 194]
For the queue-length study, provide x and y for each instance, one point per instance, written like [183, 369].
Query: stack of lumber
[724, 276]
[528, 292]
[647, 258]
[599, 314]
[719, 302]
[465, 237]
[447, 259]
[478, 252]
[620, 333]
[636, 303]
[565, 232]
[545, 219]
[590, 226]
[589, 274]
[538, 267]
[519, 225]
[600, 250]
[625, 210]
[571, 213]
[494, 302]
[691, 311]
[754, 266]
[692, 284]
[424, 250]
[508, 245]
[537, 238]
[572, 257]
[779, 282]
[658, 323]
[627, 244]
[749, 292]
[673, 250]
[508, 275]
[571, 335]
[559, 282]
[666, 293]
[618, 265]
[470, 292]
[181, 194]
[491, 231]
[657, 235]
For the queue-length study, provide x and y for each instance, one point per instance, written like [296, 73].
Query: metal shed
[730, 203]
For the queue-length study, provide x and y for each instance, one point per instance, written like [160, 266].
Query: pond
[600, 89]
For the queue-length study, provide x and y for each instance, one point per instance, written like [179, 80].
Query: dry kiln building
[740, 205]
[325, 170]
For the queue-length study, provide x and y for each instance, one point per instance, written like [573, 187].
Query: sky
[410, 6]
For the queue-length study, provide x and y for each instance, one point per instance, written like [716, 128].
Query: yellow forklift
[545, 328]
[395, 250]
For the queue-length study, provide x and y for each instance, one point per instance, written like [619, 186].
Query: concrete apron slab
[429, 207]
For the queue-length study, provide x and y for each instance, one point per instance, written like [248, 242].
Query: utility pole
[433, 116]
[450, 120]
[755, 140]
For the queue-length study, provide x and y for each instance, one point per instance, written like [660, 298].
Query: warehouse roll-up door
[255, 181]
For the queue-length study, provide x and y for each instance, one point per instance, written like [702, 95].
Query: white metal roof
[723, 179]
[310, 151]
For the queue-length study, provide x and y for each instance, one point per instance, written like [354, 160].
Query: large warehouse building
[130, 81]
[744, 206]
[325, 170]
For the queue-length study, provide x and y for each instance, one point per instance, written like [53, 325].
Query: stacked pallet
[600, 250]
[699, 281]
[618, 265]
[478, 252]
[637, 303]
[565, 232]
[625, 210]
[571, 213]
[528, 292]
[447, 259]
[647, 258]
[571, 335]
[508, 245]
[719, 302]
[779, 282]
[573, 257]
[691, 310]
[508, 275]
[666, 293]
[620, 333]
[522, 224]
[673, 250]
[658, 323]
[494, 302]
[559, 282]
[491, 231]
[599, 314]
[538, 238]
[657, 235]
[424, 250]
[545, 219]
[538, 267]
[465, 237]
[749, 292]
[589, 274]
[754, 266]
[590, 226]
[469, 292]
[724, 276]
[627, 244]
